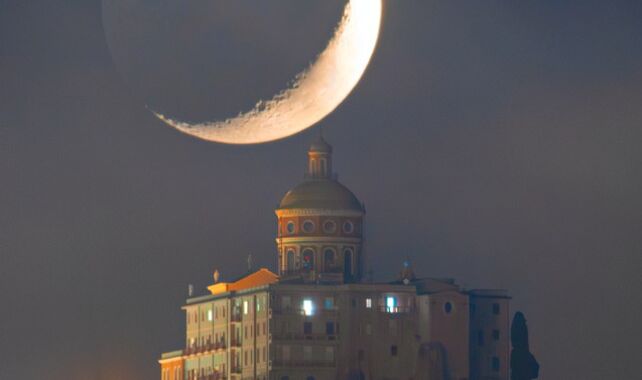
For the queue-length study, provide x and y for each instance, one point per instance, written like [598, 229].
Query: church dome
[324, 194]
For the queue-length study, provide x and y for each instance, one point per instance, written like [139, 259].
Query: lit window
[369, 303]
[246, 307]
[391, 304]
[209, 315]
[328, 303]
[308, 307]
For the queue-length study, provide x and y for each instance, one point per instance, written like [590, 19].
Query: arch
[329, 258]
[348, 267]
[290, 257]
[307, 259]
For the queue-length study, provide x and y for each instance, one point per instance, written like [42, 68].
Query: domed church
[316, 318]
[320, 225]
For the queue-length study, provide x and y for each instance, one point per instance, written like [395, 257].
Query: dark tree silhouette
[523, 365]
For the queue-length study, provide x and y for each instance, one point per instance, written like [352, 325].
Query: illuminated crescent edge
[315, 92]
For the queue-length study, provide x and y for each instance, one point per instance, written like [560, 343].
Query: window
[328, 303]
[308, 259]
[392, 327]
[245, 357]
[307, 352]
[391, 304]
[290, 227]
[328, 258]
[368, 329]
[473, 307]
[307, 328]
[286, 302]
[495, 308]
[209, 315]
[308, 226]
[495, 363]
[369, 303]
[329, 354]
[308, 307]
[348, 227]
[329, 328]
[480, 337]
[393, 350]
[329, 226]
[448, 307]
[496, 334]
[246, 307]
[290, 260]
[286, 353]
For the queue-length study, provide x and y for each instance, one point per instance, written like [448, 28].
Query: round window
[348, 227]
[448, 307]
[329, 226]
[308, 226]
[290, 227]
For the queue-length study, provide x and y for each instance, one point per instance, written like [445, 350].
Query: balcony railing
[288, 310]
[396, 309]
[207, 347]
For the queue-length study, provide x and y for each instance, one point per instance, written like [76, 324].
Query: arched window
[290, 264]
[308, 259]
[329, 258]
[347, 264]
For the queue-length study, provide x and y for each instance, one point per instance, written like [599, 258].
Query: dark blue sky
[495, 142]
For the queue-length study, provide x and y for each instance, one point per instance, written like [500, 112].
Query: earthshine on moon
[315, 92]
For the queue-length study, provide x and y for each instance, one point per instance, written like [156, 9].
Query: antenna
[217, 274]
[249, 262]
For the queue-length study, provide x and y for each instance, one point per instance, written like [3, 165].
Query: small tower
[320, 225]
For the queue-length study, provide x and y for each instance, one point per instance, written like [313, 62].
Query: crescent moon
[314, 93]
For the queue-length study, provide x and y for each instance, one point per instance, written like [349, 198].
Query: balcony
[207, 347]
[236, 317]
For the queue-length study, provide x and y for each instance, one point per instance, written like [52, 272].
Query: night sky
[496, 142]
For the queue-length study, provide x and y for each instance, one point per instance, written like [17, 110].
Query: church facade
[318, 319]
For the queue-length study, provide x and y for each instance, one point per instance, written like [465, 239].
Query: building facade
[318, 319]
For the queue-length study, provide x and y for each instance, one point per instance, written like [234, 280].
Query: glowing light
[391, 304]
[316, 92]
[369, 303]
[308, 307]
